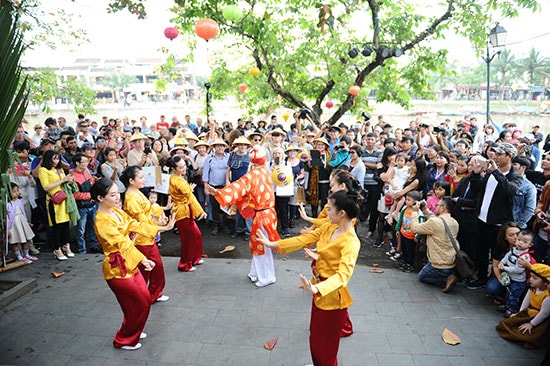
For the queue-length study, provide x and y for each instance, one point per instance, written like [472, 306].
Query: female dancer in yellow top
[113, 228]
[337, 251]
[139, 208]
[186, 209]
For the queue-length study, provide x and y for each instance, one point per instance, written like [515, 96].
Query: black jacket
[500, 208]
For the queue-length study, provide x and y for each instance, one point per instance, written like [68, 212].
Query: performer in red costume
[120, 265]
[254, 197]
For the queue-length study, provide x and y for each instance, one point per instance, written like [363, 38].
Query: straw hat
[218, 142]
[189, 135]
[322, 140]
[293, 148]
[138, 136]
[201, 143]
[278, 130]
[241, 140]
[256, 133]
[176, 148]
[180, 141]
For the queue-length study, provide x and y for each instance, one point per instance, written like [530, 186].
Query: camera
[438, 129]
[147, 150]
[303, 113]
[544, 223]
[366, 116]
[207, 85]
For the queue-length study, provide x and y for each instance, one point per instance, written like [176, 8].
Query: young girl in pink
[441, 189]
[19, 230]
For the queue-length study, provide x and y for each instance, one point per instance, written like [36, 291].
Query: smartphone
[277, 160]
[482, 162]
[452, 166]
[315, 157]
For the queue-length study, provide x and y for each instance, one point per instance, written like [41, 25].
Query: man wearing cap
[333, 137]
[214, 177]
[495, 203]
[237, 164]
[525, 199]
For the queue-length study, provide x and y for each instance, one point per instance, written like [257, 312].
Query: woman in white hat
[140, 155]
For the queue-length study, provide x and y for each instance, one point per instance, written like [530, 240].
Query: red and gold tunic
[256, 188]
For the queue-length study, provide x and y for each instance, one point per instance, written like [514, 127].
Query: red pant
[347, 329]
[133, 297]
[154, 278]
[190, 242]
[325, 329]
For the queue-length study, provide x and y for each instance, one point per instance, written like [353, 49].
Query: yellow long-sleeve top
[47, 177]
[183, 197]
[113, 233]
[335, 263]
[138, 207]
[321, 219]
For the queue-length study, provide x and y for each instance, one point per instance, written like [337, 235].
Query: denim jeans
[494, 288]
[242, 225]
[514, 296]
[86, 225]
[434, 276]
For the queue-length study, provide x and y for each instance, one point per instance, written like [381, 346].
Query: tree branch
[433, 27]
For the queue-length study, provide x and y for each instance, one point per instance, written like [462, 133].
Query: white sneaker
[391, 252]
[131, 348]
[163, 298]
[395, 257]
[143, 335]
[201, 261]
[264, 284]
[369, 234]
[252, 278]
[192, 269]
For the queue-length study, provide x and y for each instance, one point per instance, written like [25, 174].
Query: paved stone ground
[215, 316]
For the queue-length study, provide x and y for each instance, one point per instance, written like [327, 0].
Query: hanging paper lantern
[329, 104]
[207, 29]
[281, 175]
[254, 71]
[285, 116]
[242, 87]
[233, 13]
[171, 33]
[354, 90]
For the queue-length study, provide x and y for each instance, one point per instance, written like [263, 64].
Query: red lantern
[242, 87]
[329, 104]
[171, 33]
[354, 90]
[207, 29]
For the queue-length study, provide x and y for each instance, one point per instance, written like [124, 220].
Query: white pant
[262, 267]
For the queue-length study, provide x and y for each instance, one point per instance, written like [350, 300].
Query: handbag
[464, 264]
[58, 197]
[388, 200]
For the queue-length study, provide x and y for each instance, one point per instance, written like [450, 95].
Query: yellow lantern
[254, 71]
[285, 116]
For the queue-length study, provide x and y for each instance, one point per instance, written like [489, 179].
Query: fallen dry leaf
[377, 270]
[271, 344]
[57, 274]
[450, 338]
[375, 264]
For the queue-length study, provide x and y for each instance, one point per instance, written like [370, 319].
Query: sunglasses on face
[276, 134]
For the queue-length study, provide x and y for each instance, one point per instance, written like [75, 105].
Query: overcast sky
[123, 35]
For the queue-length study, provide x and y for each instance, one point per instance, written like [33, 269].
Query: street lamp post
[497, 38]
[207, 86]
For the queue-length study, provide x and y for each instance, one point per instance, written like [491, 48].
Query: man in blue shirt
[214, 175]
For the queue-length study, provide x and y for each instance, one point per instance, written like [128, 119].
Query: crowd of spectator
[488, 178]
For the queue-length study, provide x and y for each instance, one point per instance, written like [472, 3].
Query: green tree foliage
[46, 87]
[301, 47]
[116, 81]
[13, 95]
[535, 68]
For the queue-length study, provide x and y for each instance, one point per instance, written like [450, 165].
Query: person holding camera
[141, 155]
[440, 268]
[495, 203]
